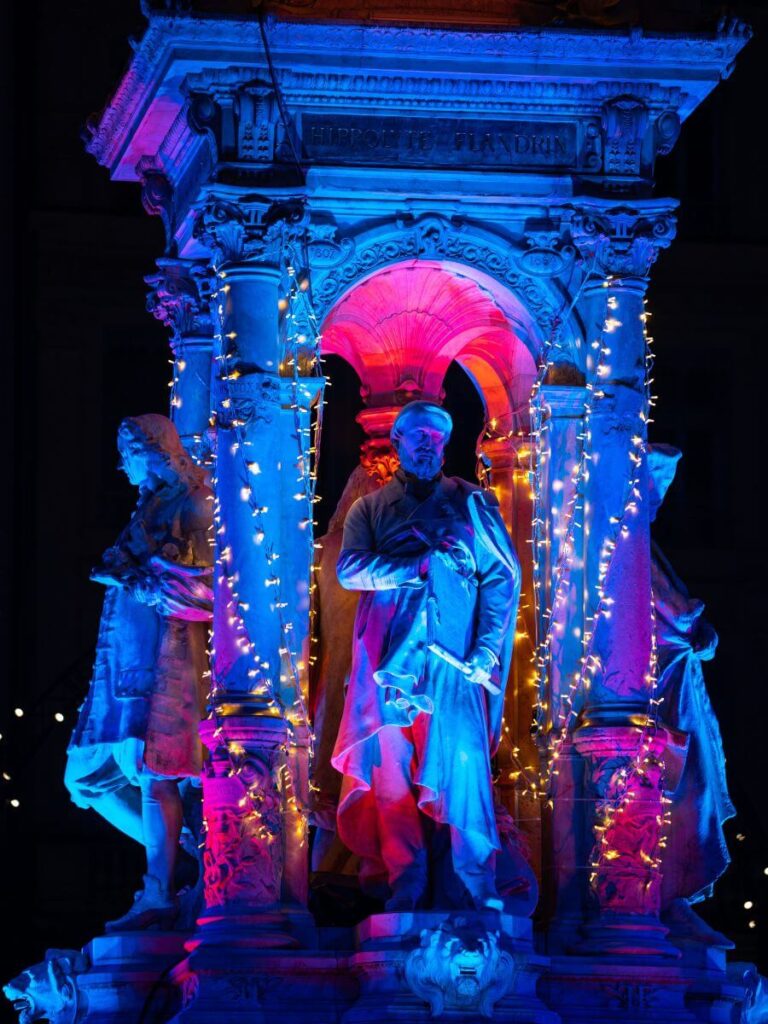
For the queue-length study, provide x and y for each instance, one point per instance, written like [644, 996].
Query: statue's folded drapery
[696, 853]
[395, 680]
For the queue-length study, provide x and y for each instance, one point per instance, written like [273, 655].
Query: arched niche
[400, 328]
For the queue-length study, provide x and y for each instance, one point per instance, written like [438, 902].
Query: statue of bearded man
[432, 646]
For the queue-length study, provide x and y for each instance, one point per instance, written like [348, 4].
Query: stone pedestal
[461, 966]
[129, 979]
[625, 771]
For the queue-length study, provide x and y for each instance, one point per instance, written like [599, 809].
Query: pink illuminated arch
[401, 327]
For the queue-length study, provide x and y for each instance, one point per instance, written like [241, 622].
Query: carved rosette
[622, 242]
[180, 296]
[258, 231]
[460, 968]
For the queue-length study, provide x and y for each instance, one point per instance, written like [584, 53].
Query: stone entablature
[594, 106]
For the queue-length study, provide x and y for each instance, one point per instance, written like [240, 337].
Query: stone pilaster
[179, 297]
[509, 460]
[248, 787]
[559, 557]
[618, 246]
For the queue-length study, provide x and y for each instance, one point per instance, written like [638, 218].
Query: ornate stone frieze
[179, 297]
[254, 230]
[243, 813]
[460, 968]
[432, 236]
[698, 62]
[622, 241]
[254, 398]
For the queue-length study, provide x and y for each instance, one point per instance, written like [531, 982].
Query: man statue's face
[421, 450]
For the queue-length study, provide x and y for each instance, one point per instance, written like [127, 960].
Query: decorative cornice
[695, 61]
[392, 89]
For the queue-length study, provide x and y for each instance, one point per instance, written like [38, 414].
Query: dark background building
[81, 353]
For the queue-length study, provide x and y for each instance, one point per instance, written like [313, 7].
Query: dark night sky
[81, 353]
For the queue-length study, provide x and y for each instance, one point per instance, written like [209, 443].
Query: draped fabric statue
[136, 737]
[696, 854]
[432, 645]
[334, 610]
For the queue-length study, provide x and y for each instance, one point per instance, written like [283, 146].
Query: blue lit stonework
[406, 198]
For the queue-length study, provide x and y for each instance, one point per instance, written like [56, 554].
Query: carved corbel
[157, 194]
[625, 123]
[235, 110]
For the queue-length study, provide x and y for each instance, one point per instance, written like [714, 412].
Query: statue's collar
[403, 485]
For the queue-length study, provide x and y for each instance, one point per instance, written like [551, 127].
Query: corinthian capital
[179, 297]
[256, 229]
[622, 241]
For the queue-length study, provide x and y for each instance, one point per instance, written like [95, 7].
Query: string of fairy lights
[555, 730]
[301, 346]
[300, 341]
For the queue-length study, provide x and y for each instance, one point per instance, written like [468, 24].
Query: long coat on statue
[394, 678]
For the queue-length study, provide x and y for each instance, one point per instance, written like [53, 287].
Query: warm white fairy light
[297, 308]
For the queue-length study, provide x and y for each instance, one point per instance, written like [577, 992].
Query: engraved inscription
[452, 141]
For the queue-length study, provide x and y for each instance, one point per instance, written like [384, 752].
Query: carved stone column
[179, 297]
[618, 246]
[247, 784]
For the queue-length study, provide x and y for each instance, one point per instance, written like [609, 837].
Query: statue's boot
[685, 924]
[478, 875]
[409, 886]
[153, 907]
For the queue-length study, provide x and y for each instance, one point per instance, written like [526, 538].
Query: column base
[271, 927]
[625, 935]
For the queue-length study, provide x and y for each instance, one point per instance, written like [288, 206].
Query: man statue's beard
[426, 465]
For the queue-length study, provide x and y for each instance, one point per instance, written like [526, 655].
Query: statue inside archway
[432, 644]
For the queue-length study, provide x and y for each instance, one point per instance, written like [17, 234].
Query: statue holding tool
[431, 652]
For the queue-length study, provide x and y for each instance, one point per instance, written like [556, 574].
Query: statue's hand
[481, 664]
[455, 555]
[186, 597]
